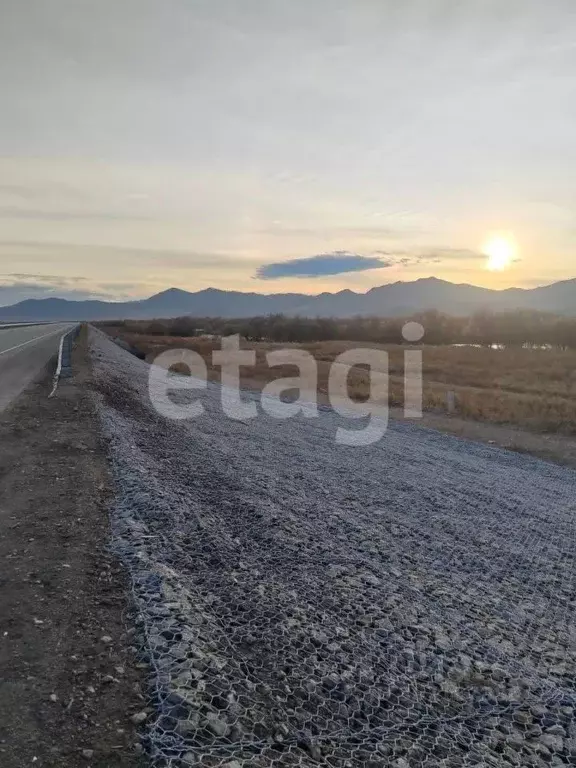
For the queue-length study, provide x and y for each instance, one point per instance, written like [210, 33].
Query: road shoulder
[68, 678]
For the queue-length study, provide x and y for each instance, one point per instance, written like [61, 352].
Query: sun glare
[500, 251]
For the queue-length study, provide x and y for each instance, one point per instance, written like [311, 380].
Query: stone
[216, 725]
[552, 742]
[557, 760]
[512, 756]
[319, 637]
[443, 642]
[187, 728]
[497, 674]
[515, 739]
[449, 687]
[139, 718]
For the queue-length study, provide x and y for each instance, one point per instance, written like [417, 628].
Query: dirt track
[60, 591]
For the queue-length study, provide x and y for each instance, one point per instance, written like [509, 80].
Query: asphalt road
[24, 352]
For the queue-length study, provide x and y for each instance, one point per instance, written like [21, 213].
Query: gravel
[410, 603]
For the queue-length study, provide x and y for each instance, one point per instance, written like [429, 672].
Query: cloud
[16, 292]
[366, 233]
[430, 255]
[340, 262]
[436, 255]
[336, 263]
[42, 279]
[30, 214]
[15, 287]
[161, 257]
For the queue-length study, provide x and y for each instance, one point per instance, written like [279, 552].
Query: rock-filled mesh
[303, 603]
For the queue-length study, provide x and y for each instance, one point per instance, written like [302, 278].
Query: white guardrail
[64, 365]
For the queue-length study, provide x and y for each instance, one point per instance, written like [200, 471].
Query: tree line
[510, 329]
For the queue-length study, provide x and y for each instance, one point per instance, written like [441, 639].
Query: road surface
[24, 352]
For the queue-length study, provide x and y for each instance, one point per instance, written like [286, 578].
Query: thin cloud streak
[162, 257]
[26, 214]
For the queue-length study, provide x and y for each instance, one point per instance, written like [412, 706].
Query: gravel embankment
[302, 603]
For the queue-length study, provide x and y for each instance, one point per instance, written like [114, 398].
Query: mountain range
[394, 299]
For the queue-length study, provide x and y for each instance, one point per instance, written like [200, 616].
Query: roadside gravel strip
[69, 684]
[302, 603]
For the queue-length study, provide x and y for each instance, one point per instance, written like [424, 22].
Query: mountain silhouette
[394, 299]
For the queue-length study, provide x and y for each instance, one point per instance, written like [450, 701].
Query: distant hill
[386, 301]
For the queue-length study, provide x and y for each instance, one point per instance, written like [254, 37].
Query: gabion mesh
[302, 603]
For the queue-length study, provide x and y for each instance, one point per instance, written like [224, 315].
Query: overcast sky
[196, 143]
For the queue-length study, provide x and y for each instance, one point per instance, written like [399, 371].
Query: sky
[284, 145]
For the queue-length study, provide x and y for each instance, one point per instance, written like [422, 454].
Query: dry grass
[530, 388]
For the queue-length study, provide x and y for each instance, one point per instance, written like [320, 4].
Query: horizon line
[287, 293]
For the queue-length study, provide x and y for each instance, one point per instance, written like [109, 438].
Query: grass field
[530, 388]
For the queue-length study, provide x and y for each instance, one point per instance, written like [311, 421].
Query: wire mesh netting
[304, 603]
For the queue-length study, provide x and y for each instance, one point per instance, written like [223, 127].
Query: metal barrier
[64, 366]
[65, 356]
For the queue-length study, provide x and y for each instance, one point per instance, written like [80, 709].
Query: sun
[500, 250]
